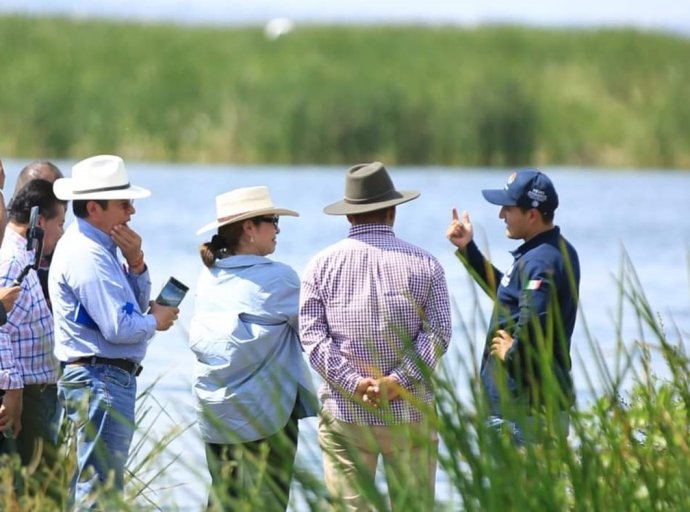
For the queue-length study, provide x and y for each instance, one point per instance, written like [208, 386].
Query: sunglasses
[273, 219]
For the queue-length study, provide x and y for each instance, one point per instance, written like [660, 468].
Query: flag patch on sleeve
[533, 284]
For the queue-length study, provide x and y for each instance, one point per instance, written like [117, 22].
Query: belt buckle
[136, 369]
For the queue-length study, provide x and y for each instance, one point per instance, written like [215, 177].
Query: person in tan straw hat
[251, 381]
[101, 330]
[375, 320]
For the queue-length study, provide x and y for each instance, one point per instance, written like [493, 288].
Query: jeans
[99, 399]
[41, 415]
[38, 443]
[529, 429]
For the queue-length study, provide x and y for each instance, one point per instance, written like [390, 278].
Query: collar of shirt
[16, 243]
[242, 260]
[360, 230]
[95, 234]
[546, 236]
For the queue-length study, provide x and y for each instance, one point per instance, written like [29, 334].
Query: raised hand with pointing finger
[460, 231]
[539, 289]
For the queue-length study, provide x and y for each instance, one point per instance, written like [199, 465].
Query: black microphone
[31, 232]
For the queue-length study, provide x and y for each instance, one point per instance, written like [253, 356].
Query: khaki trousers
[350, 455]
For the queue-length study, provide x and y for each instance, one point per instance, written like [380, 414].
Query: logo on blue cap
[526, 188]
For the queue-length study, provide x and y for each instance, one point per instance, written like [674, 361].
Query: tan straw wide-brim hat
[99, 177]
[368, 187]
[244, 203]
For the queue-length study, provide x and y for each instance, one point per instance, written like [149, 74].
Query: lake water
[601, 213]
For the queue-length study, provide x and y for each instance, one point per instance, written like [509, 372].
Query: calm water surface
[603, 213]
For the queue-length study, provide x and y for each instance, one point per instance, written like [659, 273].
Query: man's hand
[8, 296]
[129, 243]
[165, 315]
[11, 411]
[362, 386]
[384, 390]
[460, 232]
[500, 344]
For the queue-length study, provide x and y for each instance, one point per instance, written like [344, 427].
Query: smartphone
[172, 293]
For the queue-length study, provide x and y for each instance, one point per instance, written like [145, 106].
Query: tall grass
[628, 448]
[406, 95]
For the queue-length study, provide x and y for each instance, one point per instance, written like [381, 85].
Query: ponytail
[213, 250]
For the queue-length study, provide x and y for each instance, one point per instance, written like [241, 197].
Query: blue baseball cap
[526, 188]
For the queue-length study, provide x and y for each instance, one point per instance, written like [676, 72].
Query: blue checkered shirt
[26, 340]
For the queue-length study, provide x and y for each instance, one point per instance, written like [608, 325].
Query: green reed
[490, 96]
[628, 447]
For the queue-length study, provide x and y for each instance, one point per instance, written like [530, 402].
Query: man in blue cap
[526, 365]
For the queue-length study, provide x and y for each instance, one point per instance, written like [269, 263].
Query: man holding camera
[29, 411]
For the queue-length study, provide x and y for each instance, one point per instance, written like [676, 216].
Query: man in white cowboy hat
[375, 320]
[101, 330]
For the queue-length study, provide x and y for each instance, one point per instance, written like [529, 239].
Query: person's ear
[391, 215]
[248, 227]
[93, 208]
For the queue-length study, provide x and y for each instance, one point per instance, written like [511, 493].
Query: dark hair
[225, 243]
[373, 217]
[79, 206]
[34, 193]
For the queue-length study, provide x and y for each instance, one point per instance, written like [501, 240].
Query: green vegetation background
[407, 95]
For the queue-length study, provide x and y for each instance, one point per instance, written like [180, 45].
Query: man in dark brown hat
[375, 320]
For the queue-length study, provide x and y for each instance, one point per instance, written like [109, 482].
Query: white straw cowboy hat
[98, 177]
[241, 204]
[368, 187]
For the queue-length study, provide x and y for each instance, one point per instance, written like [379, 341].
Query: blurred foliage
[408, 95]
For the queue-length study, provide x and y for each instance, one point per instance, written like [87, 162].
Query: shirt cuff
[350, 384]
[11, 379]
[151, 327]
[402, 380]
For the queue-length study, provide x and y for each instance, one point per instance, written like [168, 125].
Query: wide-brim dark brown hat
[368, 187]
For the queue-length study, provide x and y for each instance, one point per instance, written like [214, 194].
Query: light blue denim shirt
[250, 372]
[97, 303]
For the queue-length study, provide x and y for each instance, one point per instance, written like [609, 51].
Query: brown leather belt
[123, 364]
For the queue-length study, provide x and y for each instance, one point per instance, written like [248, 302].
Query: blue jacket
[250, 373]
[544, 279]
